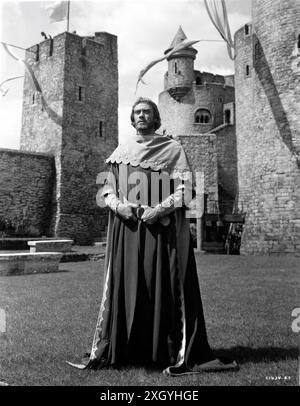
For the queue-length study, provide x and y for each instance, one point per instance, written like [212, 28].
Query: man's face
[143, 118]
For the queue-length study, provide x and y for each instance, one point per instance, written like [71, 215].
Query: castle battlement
[85, 46]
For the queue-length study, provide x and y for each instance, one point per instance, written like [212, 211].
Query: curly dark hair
[157, 120]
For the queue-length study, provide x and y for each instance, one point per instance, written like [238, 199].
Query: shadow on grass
[244, 355]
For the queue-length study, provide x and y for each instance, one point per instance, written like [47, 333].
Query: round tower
[192, 102]
[180, 66]
[268, 127]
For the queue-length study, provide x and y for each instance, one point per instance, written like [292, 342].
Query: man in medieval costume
[151, 310]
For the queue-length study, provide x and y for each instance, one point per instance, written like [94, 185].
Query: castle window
[100, 128]
[198, 81]
[51, 47]
[227, 116]
[202, 116]
[299, 41]
[247, 70]
[247, 30]
[80, 93]
[37, 53]
[175, 67]
[33, 98]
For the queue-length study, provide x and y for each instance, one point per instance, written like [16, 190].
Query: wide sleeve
[108, 182]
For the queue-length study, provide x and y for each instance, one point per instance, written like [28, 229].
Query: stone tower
[198, 108]
[75, 119]
[180, 73]
[193, 102]
[268, 126]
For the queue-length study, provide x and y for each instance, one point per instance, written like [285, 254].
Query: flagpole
[68, 17]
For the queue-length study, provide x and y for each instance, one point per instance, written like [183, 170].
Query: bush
[6, 227]
[18, 227]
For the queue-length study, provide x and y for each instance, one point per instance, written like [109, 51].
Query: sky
[145, 29]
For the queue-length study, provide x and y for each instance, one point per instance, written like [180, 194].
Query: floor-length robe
[151, 309]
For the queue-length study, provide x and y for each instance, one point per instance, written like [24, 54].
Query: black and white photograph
[149, 196]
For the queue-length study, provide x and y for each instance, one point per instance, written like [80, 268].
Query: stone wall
[42, 116]
[26, 183]
[273, 221]
[207, 77]
[227, 163]
[201, 151]
[268, 127]
[245, 116]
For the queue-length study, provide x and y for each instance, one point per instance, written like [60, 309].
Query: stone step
[28, 263]
[21, 243]
[58, 245]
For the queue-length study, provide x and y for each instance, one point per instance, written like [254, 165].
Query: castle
[242, 131]
[256, 163]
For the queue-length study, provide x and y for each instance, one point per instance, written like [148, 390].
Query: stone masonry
[202, 157]
[268, 127]
[76, 120]
[25, 189]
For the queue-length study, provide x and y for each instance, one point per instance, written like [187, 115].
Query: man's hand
[118, 207]
[151, 215]
[125, 211]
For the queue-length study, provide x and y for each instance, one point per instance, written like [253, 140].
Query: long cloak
[151, 309]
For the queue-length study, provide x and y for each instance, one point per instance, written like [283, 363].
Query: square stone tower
[75, 118]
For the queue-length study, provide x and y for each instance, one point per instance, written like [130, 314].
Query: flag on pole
[58, 11]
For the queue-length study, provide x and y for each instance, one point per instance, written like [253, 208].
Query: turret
[180, 75]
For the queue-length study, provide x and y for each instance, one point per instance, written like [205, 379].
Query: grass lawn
[247, 303]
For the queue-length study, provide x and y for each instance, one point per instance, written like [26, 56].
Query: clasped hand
[125, 210]
[150, 214]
